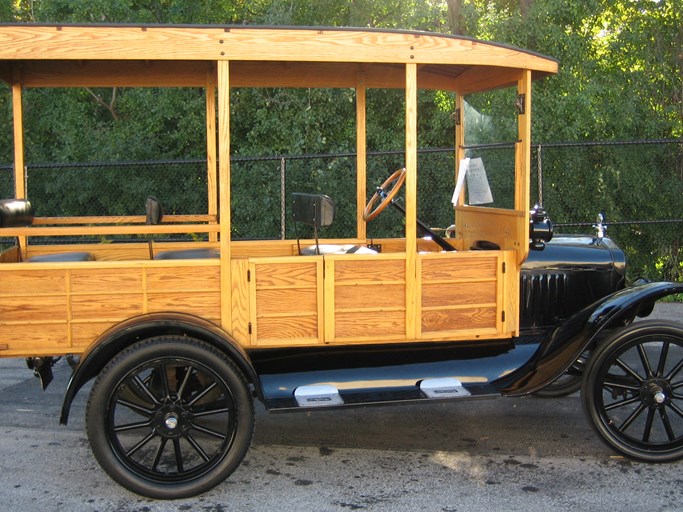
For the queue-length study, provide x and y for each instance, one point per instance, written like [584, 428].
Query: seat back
[315, 210]
[15, 213]
[154, 211]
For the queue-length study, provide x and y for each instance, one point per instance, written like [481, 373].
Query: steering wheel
[387, 191]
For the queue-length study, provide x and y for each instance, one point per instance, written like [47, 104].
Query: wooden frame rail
[121, 219]
[110, 230]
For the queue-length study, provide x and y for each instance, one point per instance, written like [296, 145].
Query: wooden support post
[224, 190]
[411, 202]
[523, 163]
[361, 156]
[459, 122]
[19, 164]
[212, 179]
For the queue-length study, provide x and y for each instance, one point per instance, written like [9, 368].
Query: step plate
[447, 387]
[320, 395]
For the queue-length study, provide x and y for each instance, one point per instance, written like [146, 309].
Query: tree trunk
[524, 6]
[455, 18]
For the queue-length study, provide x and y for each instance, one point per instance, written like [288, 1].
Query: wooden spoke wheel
[386, 191]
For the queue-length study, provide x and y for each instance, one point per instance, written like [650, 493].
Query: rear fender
[579, 332]
[121, 336]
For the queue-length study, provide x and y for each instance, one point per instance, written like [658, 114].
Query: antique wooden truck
[181, 336]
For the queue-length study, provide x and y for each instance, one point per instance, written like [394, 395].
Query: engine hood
[569, 273]
[577, 251]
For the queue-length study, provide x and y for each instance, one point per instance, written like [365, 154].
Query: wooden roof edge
[240, 42]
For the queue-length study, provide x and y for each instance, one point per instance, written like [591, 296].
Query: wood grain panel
[365, 323]
[101, 280]
[27, 309]
[203, 304]
[170, 279]
[294, 301]
[106, 306]
[351, 270]
[30, 281]
[435, 269]
[240, 300]
[458, 319]
[286, 274]
[434, 295]
[295, 328]
[27, 339]
[377, 296]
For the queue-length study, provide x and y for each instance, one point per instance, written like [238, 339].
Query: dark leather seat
[154, 215]
[62, 257]
[187, 254]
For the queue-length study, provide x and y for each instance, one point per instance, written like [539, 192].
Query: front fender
[567, 341]
[117, 338]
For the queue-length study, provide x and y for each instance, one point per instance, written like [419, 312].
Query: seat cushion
[62, 257]
[337, 249]
[188, 254]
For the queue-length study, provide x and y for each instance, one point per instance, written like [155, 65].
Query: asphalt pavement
[507, 454]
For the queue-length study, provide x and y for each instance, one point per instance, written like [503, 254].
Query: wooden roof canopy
[181, 56]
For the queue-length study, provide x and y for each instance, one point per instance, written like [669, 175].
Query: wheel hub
[656, 392]
[172, 420]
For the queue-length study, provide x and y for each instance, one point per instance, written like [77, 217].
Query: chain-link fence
[637, 186]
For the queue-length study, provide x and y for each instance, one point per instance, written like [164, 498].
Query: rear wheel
[633, 391]
[170, 417]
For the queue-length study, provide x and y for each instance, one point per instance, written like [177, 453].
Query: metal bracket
[520, 104]
[42, 368]
[456, 117]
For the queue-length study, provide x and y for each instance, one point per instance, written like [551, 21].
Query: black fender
[567, 341]
[121, 336]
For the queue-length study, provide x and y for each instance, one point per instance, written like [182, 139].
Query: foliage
[621, 78]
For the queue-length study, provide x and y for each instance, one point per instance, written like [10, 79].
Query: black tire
[170, 417]
[567, 383]
[632, 391]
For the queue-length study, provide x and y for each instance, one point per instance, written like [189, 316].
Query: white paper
[462, 172]
[478, 189]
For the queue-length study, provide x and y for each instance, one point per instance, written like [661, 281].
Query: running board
[327, 396]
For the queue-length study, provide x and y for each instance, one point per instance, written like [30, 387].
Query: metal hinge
[456, 117]
[504, 268]
[249, 327]
[520, 104]
[248, 276]
[502, 319]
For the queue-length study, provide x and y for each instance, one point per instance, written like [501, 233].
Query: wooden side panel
[53, 309]
[239, 270]
[28, 339]
[286, 301]
[194, 290]
[365, 298]
[449, 320]
[511, 291]
[461, 294]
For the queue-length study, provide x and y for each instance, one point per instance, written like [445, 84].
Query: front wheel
[632, 391]
[567, 383]
[170, 417]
